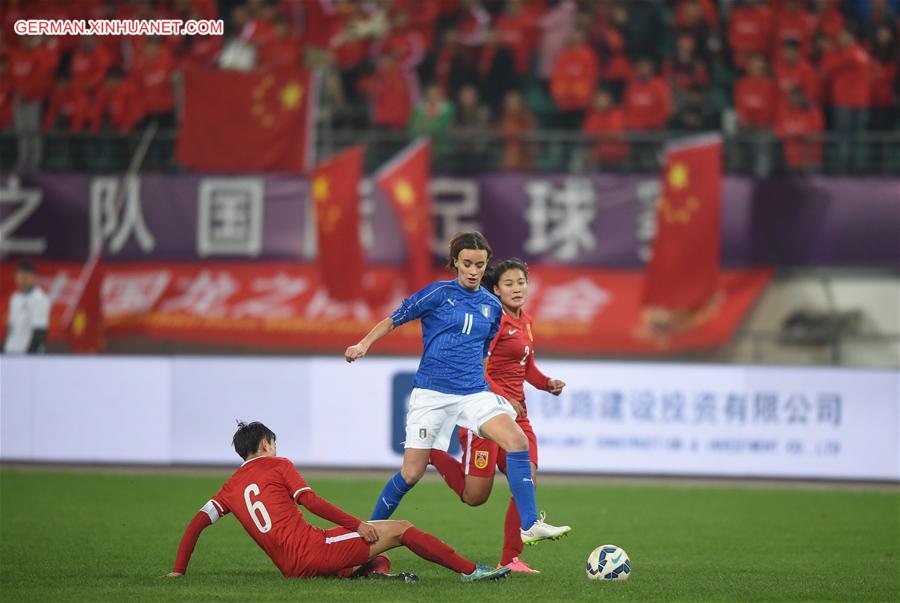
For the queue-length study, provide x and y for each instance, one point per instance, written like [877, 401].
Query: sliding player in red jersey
[510, 364]
[264, 493]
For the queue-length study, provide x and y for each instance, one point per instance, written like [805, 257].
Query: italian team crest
[481, 459]
[486, 311]
[423, 433]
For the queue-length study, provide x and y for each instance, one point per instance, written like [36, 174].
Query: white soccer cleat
[543, 531]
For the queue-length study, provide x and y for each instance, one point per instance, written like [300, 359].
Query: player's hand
[354, 352]
[555, 386]
[368, 532]
[174, 575]
[517, 406]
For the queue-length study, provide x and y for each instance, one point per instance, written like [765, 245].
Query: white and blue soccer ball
[608, 562]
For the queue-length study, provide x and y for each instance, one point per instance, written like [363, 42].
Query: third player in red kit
[510, 365]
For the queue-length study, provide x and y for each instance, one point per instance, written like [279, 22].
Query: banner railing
[759, 153]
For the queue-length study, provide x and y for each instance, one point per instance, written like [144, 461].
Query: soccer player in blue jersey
[459, 320]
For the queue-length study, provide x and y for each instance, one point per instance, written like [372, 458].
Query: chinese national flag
[84, 330]
[246, 122]
[684, 267]
[404, 181]
[335, 190]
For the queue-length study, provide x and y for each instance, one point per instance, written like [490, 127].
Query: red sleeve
[534, 376]
[326, 510]
[293, 480]
[200, 521]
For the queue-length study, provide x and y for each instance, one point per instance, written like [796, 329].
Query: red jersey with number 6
[262, 495]
[511, 361]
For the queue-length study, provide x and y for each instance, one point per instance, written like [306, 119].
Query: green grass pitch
[108, 536]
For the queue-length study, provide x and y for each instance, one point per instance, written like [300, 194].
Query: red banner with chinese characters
[286, 306]
[404, 180]
[246, 122]
[335, 190]
[683, 272]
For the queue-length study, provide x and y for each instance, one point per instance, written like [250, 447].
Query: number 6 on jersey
[257, 507]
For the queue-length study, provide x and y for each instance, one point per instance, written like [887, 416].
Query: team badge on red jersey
[481, 458]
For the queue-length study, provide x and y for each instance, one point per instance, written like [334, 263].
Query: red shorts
[481, 456]
[339, 548]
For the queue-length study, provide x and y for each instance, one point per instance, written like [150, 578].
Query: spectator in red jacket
[152, 73]
[119, 105]
[281, 50]
[390, 95]
[71, 104]
[850, 94]
[648, 106]
[794, 70]
[756, 103]
[830, 18]
[518, 154]
[647, 101]
[518, 31]
[32, 67]
[574, 78]
[755, 96]
[749, 30]
[199, 52]
[793, 21]
[89, 64]
[606, 121]
[798, 127]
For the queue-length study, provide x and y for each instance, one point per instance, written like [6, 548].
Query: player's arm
[378, 331]
[535, 377]
[204, 518]
[330, 512]
[411, 308]
[302, 494]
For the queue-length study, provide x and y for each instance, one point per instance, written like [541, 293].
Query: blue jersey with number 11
[458, 325]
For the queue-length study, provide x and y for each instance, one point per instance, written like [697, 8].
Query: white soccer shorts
[433, 415]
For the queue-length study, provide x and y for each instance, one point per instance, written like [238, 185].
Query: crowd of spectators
[786, 70]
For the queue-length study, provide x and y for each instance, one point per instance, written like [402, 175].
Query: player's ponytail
[467, 240]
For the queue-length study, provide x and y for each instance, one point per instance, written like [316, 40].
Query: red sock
[512, 540]
[450, 469]
[430, 548]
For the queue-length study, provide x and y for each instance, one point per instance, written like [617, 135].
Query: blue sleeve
[495, 326]
[418, 304]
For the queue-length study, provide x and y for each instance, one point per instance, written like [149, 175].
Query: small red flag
[684, 267]
[335, 190]
[404, 181]
[246, 122]
[84, 327]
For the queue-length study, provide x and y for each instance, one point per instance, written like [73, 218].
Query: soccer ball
[608, 562]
